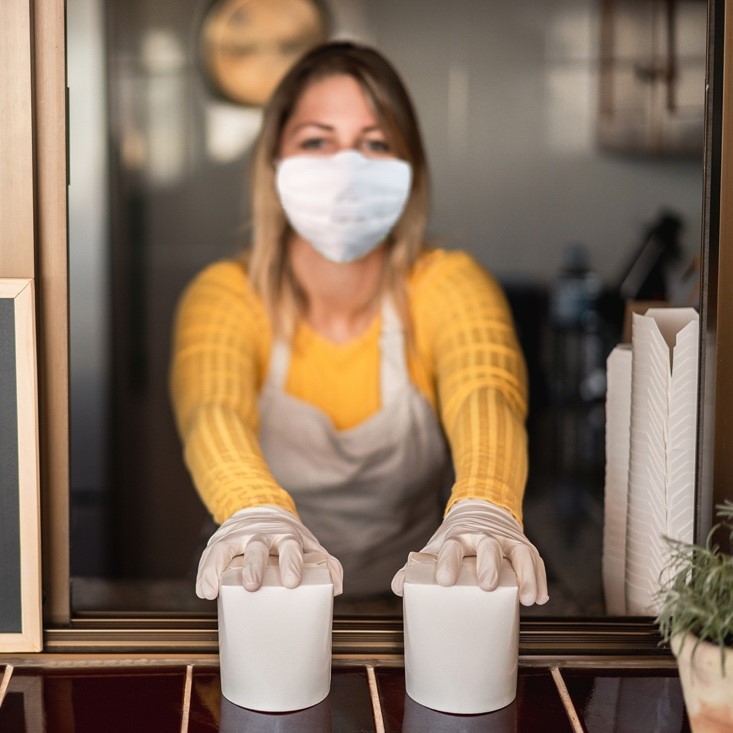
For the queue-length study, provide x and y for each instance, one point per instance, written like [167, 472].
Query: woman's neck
[341, 298]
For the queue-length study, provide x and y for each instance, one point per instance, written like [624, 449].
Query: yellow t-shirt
[323, 373]
[466, 361]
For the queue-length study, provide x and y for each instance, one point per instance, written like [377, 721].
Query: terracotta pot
[708, 693]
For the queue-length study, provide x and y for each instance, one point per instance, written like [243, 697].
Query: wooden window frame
[33, 244]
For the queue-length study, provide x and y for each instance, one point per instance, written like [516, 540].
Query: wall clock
[248, 45]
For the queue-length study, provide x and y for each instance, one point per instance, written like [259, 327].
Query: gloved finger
[255, 561]
[337, 574]
[542, 593]
[488, 562]
[522, 560]
[398, 582]
[450, 556]
[213, 563]
[290, 551]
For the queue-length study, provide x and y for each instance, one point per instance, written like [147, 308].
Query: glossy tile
[537, 707]
[205, 709]
[20, 710]
[628, 702]
[13, 716]
[351, 702]
[347, 709]
[89, 701]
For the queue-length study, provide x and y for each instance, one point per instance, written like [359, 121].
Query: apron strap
[393, 373]
[393, 363]
[279, 361]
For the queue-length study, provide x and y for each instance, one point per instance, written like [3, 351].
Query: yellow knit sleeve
[221, 339]
[464, 329]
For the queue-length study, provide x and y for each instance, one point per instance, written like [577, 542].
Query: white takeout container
[275, 643]
[461, 642]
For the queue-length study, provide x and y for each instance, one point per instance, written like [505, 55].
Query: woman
[316, 382]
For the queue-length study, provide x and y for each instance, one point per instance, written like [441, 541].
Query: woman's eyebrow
[329, 128]
[319, 125]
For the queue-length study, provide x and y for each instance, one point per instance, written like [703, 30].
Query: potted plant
[696, 618]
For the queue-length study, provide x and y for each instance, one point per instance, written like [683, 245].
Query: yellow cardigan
[468, 364]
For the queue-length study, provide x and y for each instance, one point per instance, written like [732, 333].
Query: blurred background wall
[508, 96]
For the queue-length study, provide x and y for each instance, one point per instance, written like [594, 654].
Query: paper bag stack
[651, 413]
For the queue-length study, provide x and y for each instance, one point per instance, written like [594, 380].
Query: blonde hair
[267, 261]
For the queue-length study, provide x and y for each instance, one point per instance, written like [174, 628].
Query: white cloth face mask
[344, 205]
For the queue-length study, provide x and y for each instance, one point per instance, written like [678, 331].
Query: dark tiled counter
[537, 707]
[363, 699]
[608, 702]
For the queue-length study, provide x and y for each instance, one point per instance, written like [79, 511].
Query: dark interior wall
[492, 83]
[173, 210]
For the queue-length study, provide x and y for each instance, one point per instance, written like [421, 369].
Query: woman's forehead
[337, 94]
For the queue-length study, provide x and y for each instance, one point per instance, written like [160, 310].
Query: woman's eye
[313, 143]
[376, 146]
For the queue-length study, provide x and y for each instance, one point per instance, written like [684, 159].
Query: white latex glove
[257, 533]
[480, 528]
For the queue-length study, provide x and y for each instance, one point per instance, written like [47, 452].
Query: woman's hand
[480, 528]
[257, 533]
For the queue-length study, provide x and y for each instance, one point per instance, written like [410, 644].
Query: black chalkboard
[10, 569]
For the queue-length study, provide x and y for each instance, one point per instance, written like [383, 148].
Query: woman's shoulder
[222, 290]
[227, 278]
[223, 272]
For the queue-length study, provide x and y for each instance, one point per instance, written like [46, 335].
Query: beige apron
[372, 493]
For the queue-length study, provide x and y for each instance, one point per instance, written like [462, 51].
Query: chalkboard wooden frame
[20, 539]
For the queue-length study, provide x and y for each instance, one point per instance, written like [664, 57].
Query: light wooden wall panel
[33, 242]
[49, 61]
[16, 141]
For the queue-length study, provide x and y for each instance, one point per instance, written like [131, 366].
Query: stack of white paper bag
[651, 412]
[618, 421]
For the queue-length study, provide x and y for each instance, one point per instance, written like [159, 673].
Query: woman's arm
[220, 341]
[464, 325]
